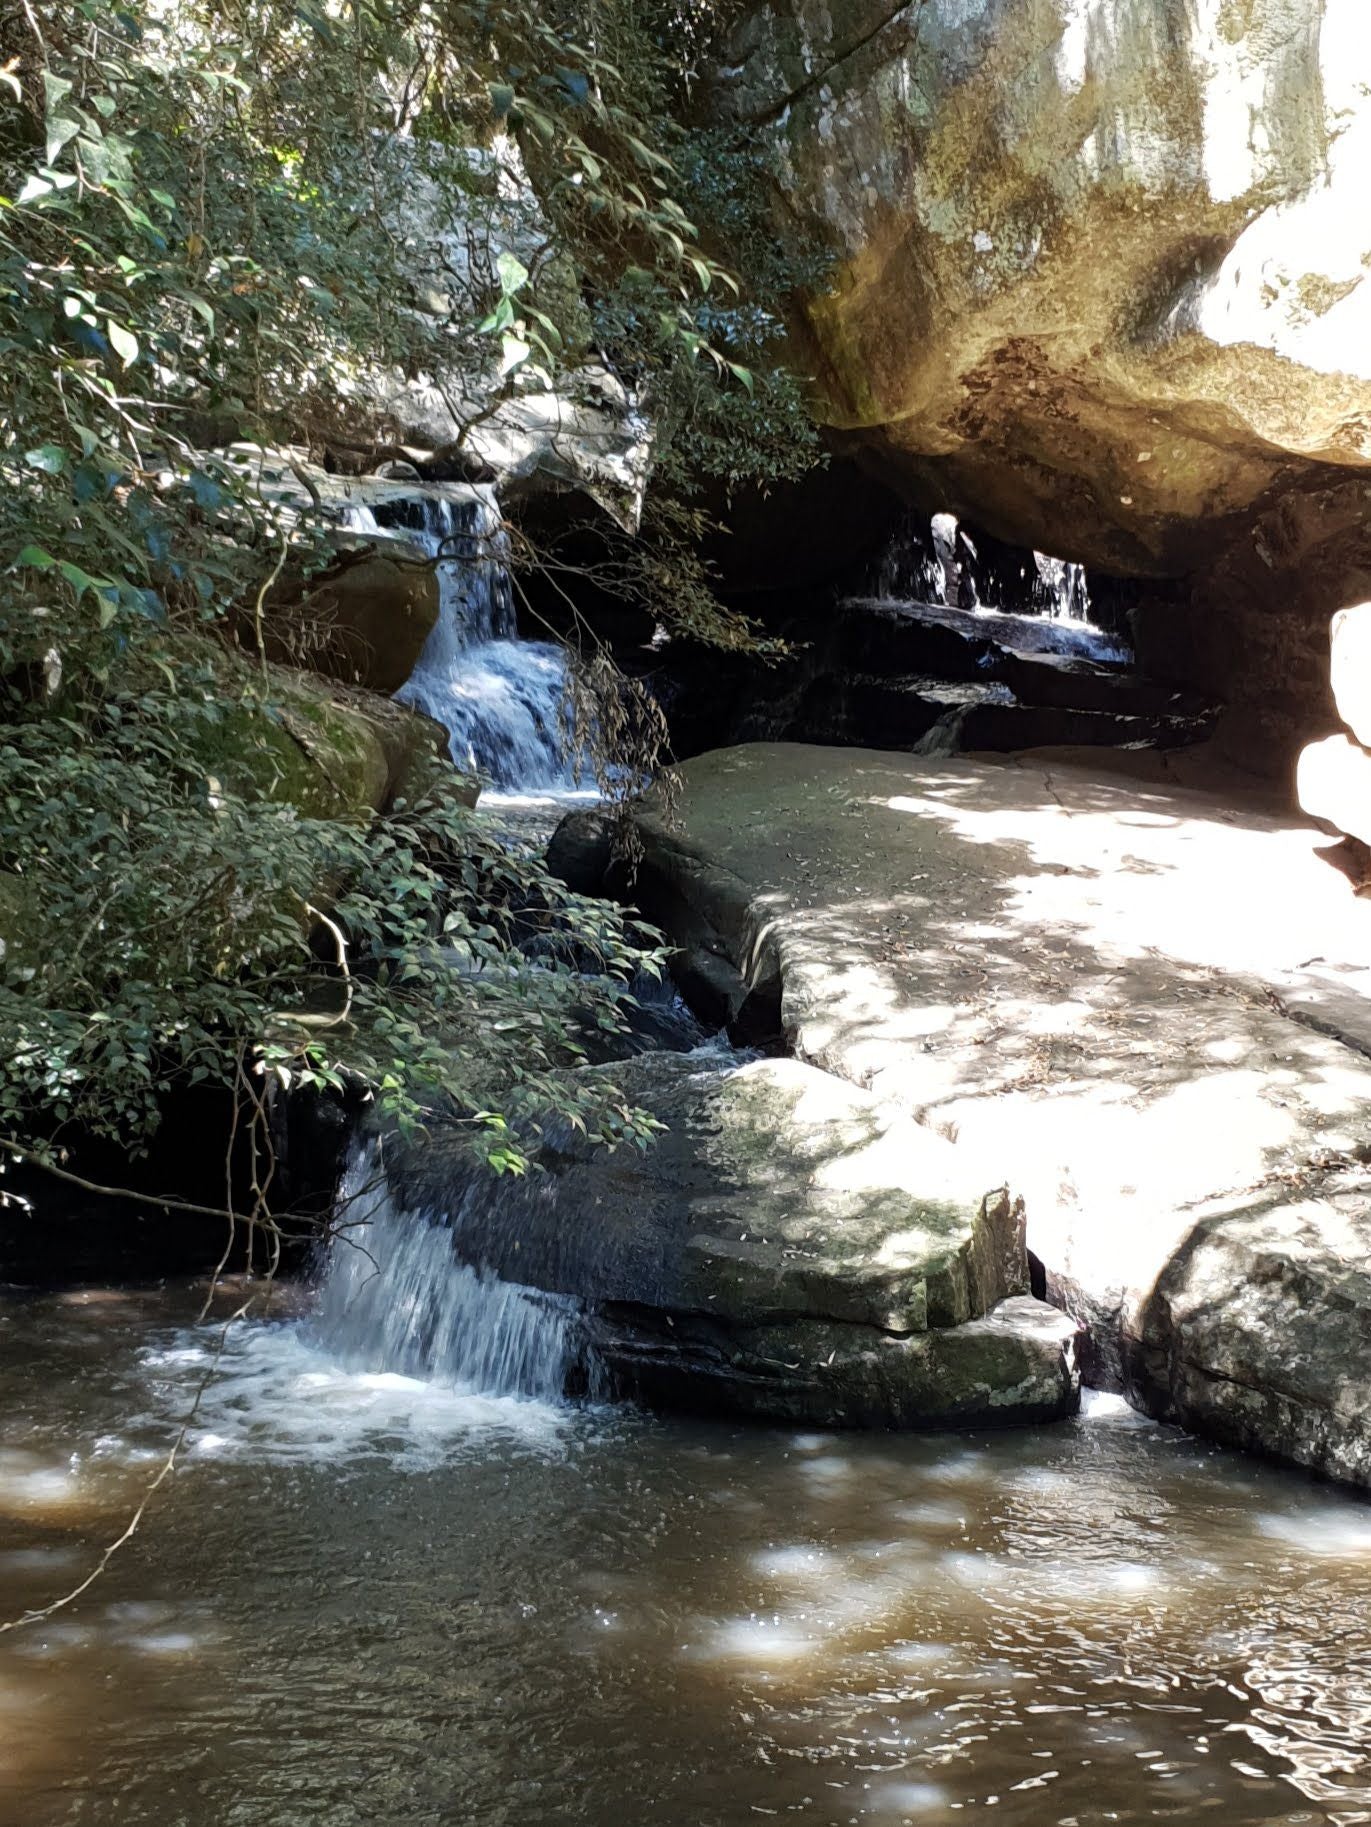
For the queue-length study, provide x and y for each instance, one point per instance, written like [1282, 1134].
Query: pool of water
[368, 1598]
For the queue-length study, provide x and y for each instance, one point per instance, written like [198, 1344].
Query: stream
[370, 1595]
[397, 1578]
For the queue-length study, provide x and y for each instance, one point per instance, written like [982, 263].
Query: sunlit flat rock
[1146, 1009]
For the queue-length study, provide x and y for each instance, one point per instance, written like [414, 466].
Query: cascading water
[393, 1301]
[936, 571]
[501, 699]
[394, 1298]
[941, 563]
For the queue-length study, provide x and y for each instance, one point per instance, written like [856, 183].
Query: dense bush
[209, 234]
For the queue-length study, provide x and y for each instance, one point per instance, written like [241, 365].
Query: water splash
[502, 705]
[394, 1298]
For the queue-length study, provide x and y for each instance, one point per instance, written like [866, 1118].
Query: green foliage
[217, 224]
[153, 918]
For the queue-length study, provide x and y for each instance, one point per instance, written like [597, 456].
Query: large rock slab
[785, 1249]
[1130, 1003]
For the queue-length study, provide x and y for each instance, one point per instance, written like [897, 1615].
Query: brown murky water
[368, 1599]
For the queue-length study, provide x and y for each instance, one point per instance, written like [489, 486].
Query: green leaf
[61, 128]
[513, 273]
[501, 99]
[125, 343]
[81, 581]
[499, 319]
[50, 458]
[36, 558]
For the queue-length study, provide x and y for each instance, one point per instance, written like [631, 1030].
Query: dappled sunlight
[1135, 873]
[1098, 1614]
[1130, 1004]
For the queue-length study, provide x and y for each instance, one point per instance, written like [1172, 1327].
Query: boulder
[364, 621]
[1258, 1330]
[330, 751]
[784, 1249]
[1146, 1009]
[1334, 784]
[1350, 667]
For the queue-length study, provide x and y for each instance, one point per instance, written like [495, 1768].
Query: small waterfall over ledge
[501, 699]
[394, 1298]
[943, 564]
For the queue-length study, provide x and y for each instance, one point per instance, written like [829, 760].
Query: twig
[340, 946]
[9, 1146]
[164, 1471]
[261, 599]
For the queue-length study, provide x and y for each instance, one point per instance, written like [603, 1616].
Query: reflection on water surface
[367, 1599]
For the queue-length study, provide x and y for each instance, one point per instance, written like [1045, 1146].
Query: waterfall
[938, 562]
[394, 1298]
[1060, 589]
[500, 699]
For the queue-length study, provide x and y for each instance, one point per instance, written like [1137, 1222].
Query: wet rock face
[784, 1250]
[1098, 282]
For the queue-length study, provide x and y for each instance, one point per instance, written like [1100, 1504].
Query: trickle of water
[394, 1298]
[945, 737]
[1060, 590]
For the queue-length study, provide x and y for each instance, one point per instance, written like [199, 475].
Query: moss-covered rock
[330, 750]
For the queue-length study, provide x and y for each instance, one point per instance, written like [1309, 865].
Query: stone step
[1072, 684]
[901, 713]
[1016, 1366]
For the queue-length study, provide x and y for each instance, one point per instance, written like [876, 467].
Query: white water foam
[277, 1395]
[404, 1354]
